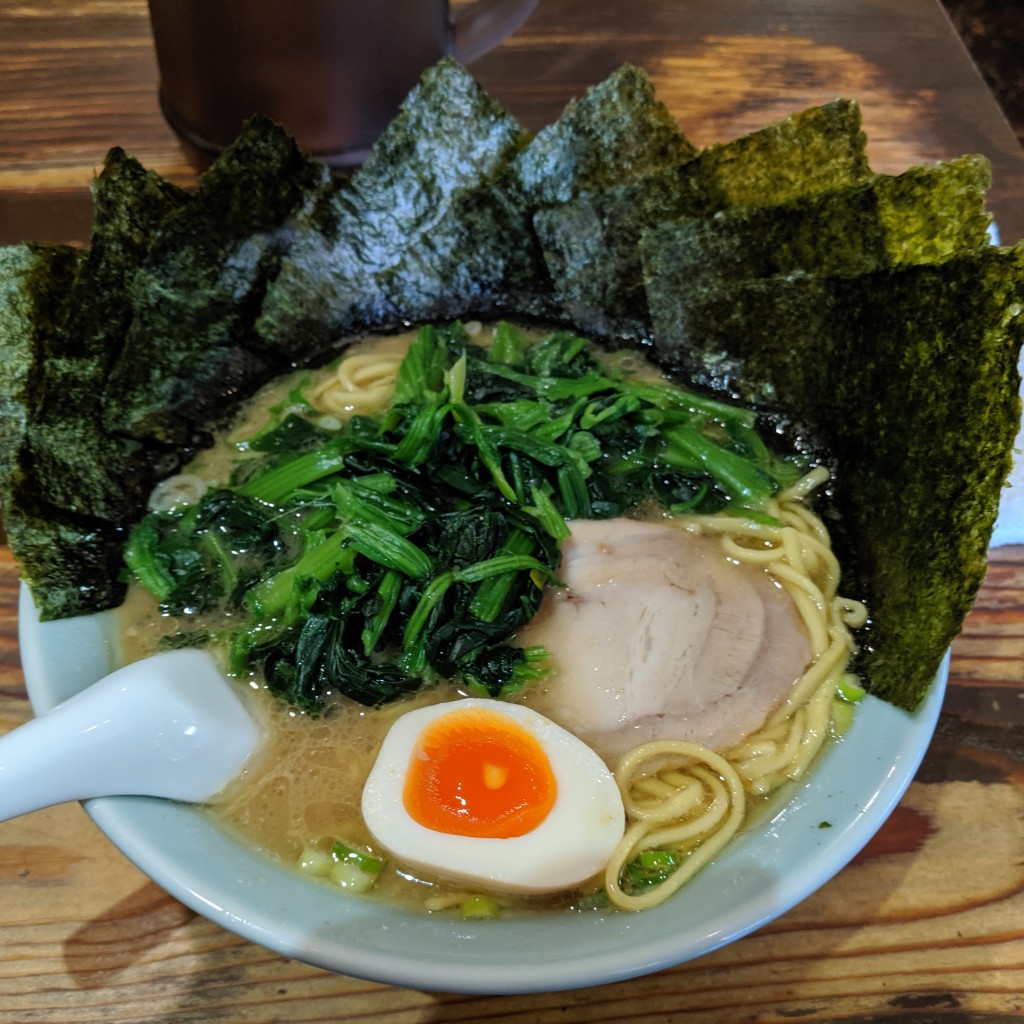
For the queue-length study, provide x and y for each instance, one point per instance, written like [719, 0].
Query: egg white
[573, 843]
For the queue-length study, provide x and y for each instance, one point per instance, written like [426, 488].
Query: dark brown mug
[332, 72]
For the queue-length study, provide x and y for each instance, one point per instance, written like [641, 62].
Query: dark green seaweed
[189, 346]
[438, 222]
[71, 563]
[590, 242]
[86, 468]
[924, 215]
[34, 284]
[616, 131]
[399, 241]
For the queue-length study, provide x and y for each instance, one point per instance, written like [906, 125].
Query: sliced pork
[657, 635]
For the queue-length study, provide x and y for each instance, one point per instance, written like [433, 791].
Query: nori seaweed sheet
[438, 222]
[924, 215]
[189, 346]
[401, 240]
[909, 378]
[616, 131]
[70, 563]
[34, 282]
[80, 466]
[797, 156]
[908, 375]
[615, 139]
[590, 242]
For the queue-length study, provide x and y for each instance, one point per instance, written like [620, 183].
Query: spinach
[415, 545]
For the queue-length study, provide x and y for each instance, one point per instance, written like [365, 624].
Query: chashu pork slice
[657, 635]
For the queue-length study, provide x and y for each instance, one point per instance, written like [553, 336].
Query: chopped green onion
[348, 876]
[480, 908]
[342, 853]
[842, 716]
[649, 868]
[314, 861]
[849, 688]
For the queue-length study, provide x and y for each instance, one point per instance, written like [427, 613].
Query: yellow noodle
[825, 668]
[686, 797]
[809, 601]
[715, 823]
[853, 613]
[792, 550]
[361, 383]
[675, 804]
[739, 553]
[805, 486]
[779, 758]
[681, 832]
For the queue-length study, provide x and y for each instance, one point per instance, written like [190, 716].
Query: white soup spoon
[168, 726]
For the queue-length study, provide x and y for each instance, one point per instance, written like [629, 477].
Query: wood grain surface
[927, 924]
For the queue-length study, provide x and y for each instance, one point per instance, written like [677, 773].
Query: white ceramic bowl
[765, 871]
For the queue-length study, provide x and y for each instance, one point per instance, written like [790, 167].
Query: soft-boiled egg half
[494, 795]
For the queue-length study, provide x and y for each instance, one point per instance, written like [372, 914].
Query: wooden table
[926, 924]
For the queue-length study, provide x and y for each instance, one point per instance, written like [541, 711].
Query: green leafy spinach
[414, 545]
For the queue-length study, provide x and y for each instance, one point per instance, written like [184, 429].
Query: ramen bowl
[808, 833]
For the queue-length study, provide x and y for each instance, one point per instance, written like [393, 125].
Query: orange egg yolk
[478, 773]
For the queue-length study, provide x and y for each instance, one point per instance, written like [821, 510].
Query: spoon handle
[168, 726]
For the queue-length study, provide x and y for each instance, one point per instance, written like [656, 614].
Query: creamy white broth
[307, 784]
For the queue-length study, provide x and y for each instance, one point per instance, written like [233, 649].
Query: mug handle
[481, 26]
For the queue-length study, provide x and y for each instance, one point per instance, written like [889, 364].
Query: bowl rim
[775, 863]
